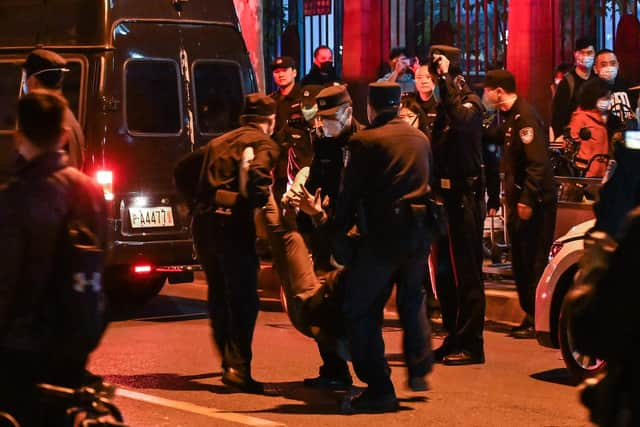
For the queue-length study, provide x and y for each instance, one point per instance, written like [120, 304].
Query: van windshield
[152, 97]
[218, 96]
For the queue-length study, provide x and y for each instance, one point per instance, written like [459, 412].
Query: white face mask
[333, 127]
[603, 105]
[608, 73]
[586, 61]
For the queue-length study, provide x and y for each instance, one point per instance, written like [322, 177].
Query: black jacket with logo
[33, 210]
[527, 168]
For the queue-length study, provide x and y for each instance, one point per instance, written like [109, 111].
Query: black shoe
[524, 333]
[233, 378]
[418, 384]
[328, 383]
[443, 351]
[369, 403]
[463, 357]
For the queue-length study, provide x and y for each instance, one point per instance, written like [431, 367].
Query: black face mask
[326, 67]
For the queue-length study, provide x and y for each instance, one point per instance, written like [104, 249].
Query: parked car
[551, 323]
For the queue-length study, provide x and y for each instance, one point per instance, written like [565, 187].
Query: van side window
[72, 86]
[218, 95]
[10, 73]
[152, 97]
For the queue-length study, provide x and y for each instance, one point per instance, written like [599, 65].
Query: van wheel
[580, 366]
[123, 289]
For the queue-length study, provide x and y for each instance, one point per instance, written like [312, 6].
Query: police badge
[526, 135]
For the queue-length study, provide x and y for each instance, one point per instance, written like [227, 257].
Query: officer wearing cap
[457, 153]
[299, 132]
[385, 187]
[529, 189]
[235, 179]
[287, 97]
[44, 70]
[315, 197]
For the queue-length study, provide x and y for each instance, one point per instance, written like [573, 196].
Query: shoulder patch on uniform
[527, 135]
[467, 105]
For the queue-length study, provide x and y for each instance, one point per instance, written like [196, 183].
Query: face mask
[326, 67]
[332, 128]
[608, 73]
[586, 61]
[309, 113]
[488, 104]
[603, 105]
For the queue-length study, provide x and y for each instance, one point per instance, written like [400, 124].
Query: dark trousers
[530, 244]
[378, 261]
[226, 250]
[21, 371]
[459, 282]
[311, 301]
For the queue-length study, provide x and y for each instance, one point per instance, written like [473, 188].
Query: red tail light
[142, 268]
[105, 179]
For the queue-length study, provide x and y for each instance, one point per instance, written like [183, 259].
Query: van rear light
[105, 179]
[142, 268]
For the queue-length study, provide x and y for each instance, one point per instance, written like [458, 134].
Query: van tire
[123, 289]
[580, 367]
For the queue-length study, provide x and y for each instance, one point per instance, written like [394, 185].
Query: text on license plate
[161, 216]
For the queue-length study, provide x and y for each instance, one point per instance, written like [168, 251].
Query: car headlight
[555, 248]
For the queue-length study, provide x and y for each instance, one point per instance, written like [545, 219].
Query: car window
[218, 95]
[10, 73]
[10, 80]
[72, 86]
[152, 97]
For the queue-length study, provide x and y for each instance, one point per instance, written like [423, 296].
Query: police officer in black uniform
[317, 199]
[529, 189]
[288, 97]
[238, 177]
[384, 190]
[457, 152]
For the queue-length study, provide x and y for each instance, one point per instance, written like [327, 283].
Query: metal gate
[310, 25]
[477, 27]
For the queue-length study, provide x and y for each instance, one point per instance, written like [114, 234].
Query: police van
[149, 81]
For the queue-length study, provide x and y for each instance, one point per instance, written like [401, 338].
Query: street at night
[168, 374]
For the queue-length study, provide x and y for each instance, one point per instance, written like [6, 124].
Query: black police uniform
[528, 180]
[430, 108]
[388, 171]
[457, 153]
[224, 236]
[285, 105]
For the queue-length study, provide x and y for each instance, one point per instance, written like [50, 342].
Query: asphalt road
[168, 374]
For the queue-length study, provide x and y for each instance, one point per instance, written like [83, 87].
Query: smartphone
[632, 139]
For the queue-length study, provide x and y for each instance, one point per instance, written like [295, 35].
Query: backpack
[78, 294]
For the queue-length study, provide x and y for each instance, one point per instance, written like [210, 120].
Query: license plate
[161, 216]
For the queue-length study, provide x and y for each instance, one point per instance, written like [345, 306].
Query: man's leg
[367, 285]
[203, 235]
[467, 254]
[411, 304]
